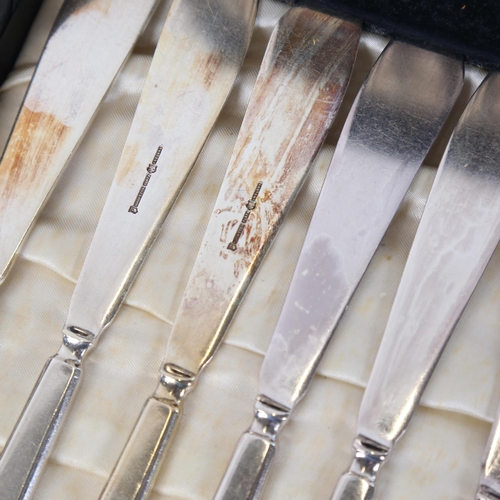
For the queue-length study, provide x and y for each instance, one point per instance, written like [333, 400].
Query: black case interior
[463, 27]
[16, 17]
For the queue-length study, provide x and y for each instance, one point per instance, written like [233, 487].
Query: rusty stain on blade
[297, 94]
[23, 166]
[88, 44]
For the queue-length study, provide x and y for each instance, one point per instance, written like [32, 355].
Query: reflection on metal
[309, 55]
[388, 132]
[87, 46]
[459, 230]
[199, 54]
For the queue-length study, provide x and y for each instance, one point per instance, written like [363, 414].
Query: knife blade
[196, 62]
[393, 122]
[89, 42]
[457, 235]
[299, 89]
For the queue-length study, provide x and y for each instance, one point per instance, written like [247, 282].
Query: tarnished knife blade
[87, 46]
[488, 115]
[457, 235]
[196, 62]
[299, 89]
[391, 126]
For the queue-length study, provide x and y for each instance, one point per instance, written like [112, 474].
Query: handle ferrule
[359, 482]
[485, 493]
[135, 472]
[30, 443]
[247, 473]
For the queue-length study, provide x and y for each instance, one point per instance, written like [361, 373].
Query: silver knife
[457, 235]
[196, 62]
[489, 485]
[88, 44]
[299, 89]
[393, 122]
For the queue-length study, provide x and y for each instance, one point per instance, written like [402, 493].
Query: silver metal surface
[88, 44]
[391, 126]
[299, 89]
[489, 485]
[252, 459]
[394, 121]
[29, 444]
[277, 143]
[196, 62]
[157, 424]
[458, 233]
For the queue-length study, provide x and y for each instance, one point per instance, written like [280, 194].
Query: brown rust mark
[94, 5]
[314, 63]
[34, 141]
[78, 7]
[226, 230]
[128, 162]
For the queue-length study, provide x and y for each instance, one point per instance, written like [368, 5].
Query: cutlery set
[397, 115]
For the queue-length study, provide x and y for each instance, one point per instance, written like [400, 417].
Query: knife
[457, 235]
[299, 89]
[196, 62]
[89, 42]
[394, 120]
[489, 485]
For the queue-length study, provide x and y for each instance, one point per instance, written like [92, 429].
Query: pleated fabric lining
[438, 458]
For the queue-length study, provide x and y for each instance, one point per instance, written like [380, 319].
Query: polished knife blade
[196, 62]
[88, 44]
[299, 89]
[458, 232]
[393, 122]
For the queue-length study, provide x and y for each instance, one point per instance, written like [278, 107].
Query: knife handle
[353, 487]
[358, 483]
[29, 445]
[135, 472]
[248, 470]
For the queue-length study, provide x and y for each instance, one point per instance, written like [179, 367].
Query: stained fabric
[438, 458]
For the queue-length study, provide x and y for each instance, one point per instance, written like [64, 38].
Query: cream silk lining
[439, 457]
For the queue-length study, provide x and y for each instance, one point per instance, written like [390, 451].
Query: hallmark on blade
[152, 167]
[251, 204]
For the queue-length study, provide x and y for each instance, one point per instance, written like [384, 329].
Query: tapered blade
[391, 126]
[301, 83]
[459, 230]
[88, 43]
[201, 49]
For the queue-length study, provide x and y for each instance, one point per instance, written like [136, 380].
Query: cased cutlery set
[409, 99]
